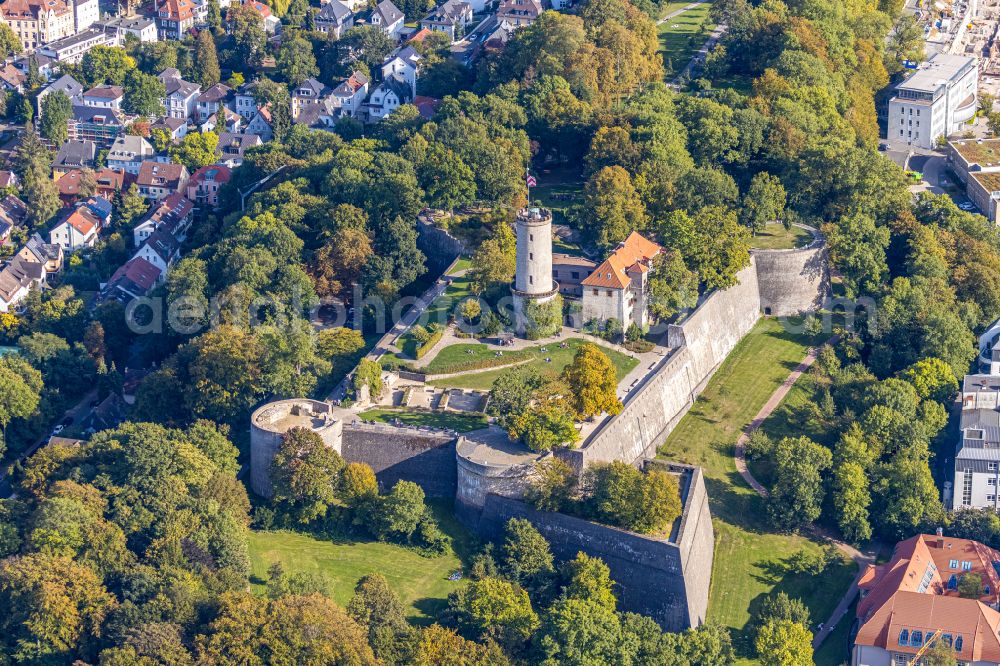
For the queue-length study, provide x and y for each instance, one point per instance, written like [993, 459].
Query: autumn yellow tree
[593, 382]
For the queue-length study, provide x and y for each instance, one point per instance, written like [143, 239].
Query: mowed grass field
[457, 421]
[750, 561]
[776, 237]
[456, 358]
[421, 582]
[682, 36]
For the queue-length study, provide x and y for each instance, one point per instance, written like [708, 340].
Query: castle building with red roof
[618, 287]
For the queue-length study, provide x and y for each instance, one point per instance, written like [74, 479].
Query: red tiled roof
[633, 255]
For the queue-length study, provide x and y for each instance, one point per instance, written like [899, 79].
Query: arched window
[904, 637]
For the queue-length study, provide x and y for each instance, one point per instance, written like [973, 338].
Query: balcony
[965, 110]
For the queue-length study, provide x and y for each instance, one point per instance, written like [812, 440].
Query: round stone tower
[533, 277]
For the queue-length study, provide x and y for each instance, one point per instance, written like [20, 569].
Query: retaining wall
[667, 580]
[395, 454]
[440, 247]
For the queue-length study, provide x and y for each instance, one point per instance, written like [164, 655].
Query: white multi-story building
[85, 14]
[935, 101]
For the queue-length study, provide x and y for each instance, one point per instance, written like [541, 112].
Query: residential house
[211, 100]
[102, 126]
[74, 155]
[37, 22]
[349, 96]
[224, 120]
[335, 18]
[134, 279]
[18, 277]
[111, 181]
[8, 179]
[46, 66]
[48, 255]
[427, 106]
[182, 96]
[85, 14]
[69, 187]
[72, 48]
[387, 17]
[260, 124]
[272, 24]
[157, 180]
[128, 152]
[618, 288]
[172, 215]
[13, 213]
[519, 13]
[450, 17]
[308, 92]
[244, 102]
[104, 97]
[176, 128]
[101, 207]
[174, 18]
[913, 600]
[232, 147]
[203, 188]
[161, 249]
[65, 84]
[75, 228]
[404, 63]
[11, 78]
[140, 27]
[392, 93]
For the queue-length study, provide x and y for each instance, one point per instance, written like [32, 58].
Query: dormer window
[904, 636]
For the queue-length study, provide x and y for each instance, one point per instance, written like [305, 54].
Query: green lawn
[682, 36]
[421, 582]
[777, 237]
[750, 562]
[557, 197]
[457, 421]
[834, 650]
[455, 358]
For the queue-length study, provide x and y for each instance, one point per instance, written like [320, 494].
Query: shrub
[642, 502]
[759, 445]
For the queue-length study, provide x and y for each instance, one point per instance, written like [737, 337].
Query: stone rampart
[665, 579]
[700, 344]
[426, 458]
[439, 246]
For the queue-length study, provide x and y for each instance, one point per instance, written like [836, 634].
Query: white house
[335, 18]
[104, 97]
[78, 229]
[937, 100]
[387, 97]
[172, 215]
[308, 92]
[451, 17]
[404, 63]
[182, 96]
[260, 124]
[211, 100]
[350, 95]
[85, 13]
[160, 249]
[388, 17]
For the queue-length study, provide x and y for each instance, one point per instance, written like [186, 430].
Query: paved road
[702, 53]
[680, 11]
[862, 559]
[78, 412]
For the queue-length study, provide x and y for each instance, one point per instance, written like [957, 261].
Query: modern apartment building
[935, 101]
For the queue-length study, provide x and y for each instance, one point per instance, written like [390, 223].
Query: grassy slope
[421, 582]
[750, 562]
[682, 36]
[484, 380]
[457, 421]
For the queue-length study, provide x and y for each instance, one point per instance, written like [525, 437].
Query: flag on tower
[531, 181]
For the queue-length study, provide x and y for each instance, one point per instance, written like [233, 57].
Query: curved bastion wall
[486, 469]
[269, 423]
[794, 281]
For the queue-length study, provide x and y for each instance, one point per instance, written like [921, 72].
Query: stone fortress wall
[668, 579]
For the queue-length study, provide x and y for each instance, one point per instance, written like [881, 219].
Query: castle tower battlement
[533, 276]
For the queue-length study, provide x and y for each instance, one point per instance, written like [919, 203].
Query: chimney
[940, 537]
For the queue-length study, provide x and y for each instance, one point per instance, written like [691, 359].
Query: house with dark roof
[176, 128]
[388, 18]
[349, 96]
[308, 92]
[181, 96]
[232, 146]
[211, 100]
[102, 126]
[128, 152]
[157, 180]
[519, 13]
[450, 17]
[161, 249]
[65, 84]
[335, 18]
[104, 97]
[391, 94]
[13, 210]
[74, 155]
[618, 287]
[403, 63]
[913, 600]
[172, 215]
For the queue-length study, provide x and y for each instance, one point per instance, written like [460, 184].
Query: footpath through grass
[683, 35]
[469, 357]
[421, 582]
[751, 562]
[457, 421]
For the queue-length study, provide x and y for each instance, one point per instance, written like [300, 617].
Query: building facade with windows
[977, 455]
[618, 288]
[913, 600]
[937, 100]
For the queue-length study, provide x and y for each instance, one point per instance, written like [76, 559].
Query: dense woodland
[132, 549]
